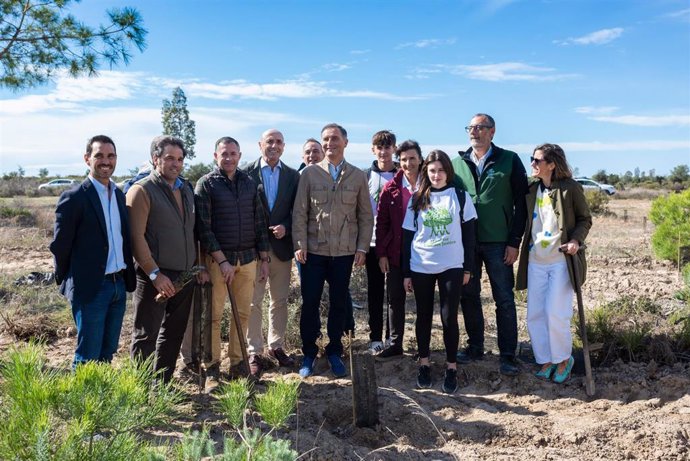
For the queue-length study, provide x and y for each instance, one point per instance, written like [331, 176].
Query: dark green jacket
[498, 195]
[574, 222]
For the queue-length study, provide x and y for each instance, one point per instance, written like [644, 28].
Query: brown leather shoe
[255, 367]
[283, 359]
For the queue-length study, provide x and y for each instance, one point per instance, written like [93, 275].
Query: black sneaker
[424, 377]
[450, 382]
[509, 366]
[389, 353]
[469, 355]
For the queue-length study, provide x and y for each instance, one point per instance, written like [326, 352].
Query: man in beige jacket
[332, 223]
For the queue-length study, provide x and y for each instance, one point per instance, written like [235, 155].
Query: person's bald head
[271, 146]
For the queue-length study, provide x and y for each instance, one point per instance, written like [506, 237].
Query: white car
[589, 184]
[57, 184]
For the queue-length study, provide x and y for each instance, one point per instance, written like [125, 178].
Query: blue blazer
[80, 243]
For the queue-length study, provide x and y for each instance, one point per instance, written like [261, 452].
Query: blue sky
[609, 80]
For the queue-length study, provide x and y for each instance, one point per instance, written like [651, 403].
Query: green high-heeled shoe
[545, 374]
[560, 378]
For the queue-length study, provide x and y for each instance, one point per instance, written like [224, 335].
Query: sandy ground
[640, 410]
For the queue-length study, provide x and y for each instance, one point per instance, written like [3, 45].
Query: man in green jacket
[497, 181]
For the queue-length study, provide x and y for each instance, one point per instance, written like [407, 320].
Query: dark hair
[383, 138]
[335, 125]
[159, 144]
[226, 140]
[103, 139]
[488, 117]
[311, 140]
[553, 153]
[407, 145]
[422, 198]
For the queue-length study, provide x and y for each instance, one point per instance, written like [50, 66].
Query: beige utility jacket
[332, 218]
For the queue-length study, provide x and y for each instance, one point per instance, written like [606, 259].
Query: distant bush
[671, 216]
[597, 201]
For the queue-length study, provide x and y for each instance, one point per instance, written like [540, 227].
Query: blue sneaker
[307, 368]
[337, 366]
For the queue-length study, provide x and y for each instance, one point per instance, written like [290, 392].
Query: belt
[115, 276]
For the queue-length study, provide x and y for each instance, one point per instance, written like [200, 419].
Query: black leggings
[449, 289]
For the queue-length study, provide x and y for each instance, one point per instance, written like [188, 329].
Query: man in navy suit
[93, 256]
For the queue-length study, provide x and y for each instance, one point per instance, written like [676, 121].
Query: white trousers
[549, 310]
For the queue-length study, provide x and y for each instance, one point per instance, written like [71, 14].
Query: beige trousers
[279, 273]
[242, 288]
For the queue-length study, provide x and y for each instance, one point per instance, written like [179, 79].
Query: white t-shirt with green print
[546, 236]
[437, 243]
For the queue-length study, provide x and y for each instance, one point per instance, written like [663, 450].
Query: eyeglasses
[537, 160]
[477, 127]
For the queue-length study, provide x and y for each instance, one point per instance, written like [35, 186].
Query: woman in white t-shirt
[438, 248]
[558, 226]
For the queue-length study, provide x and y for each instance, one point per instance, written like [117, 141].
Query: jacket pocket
[319, 194]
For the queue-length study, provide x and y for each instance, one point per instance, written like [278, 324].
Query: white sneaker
[387, 343]
[375, 347]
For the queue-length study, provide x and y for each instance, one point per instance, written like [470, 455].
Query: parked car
[590, 184]
[57, 184]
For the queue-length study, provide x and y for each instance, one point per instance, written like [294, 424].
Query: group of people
[414, 224]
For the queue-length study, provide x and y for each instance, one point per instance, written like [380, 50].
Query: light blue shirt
[335, 170]
[481, 163]
[113, 225]
[270, 177]
[178, 184]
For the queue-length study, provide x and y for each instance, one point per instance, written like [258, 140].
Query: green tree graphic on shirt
[438, 221]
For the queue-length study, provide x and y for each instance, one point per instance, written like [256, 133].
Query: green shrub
[670, 214]
[597, 201]
[95, 413]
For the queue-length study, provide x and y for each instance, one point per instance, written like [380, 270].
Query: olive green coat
[574, 222]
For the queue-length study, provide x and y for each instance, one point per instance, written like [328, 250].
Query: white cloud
[682, 15]
[596, 110]
[427, 43]
[646, 120]
[422, 73]
[599, 37]
[336, 67]
[505, 71]
[607, 146]
[360, 51]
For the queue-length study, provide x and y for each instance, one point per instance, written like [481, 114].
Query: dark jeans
[349, 317]
[99, 322]
[396, 305]
[159, 327]
[449, 287]
[315, 272]
[376, 289]
[502, 280]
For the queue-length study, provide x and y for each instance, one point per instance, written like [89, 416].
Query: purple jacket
[391, 213]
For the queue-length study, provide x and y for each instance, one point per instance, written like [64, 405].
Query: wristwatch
[154, 275]
[267, 259]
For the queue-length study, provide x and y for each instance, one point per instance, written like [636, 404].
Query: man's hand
[466, 276]
[263, 270]
[510, 256]
[383, 264]
[203, 277]
[360, 258]
[228, 272]
[301, 256]
[407, 283]
[278, 231]
[164, 285]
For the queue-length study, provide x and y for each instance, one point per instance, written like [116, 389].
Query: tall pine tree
[176, 121]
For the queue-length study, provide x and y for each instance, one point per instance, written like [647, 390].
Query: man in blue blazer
[93, 256]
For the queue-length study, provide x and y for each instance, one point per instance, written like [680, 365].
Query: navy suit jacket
[282, 208]
[80, 243]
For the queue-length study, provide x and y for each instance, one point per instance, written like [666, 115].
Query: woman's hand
[571, 247]
[407, 283]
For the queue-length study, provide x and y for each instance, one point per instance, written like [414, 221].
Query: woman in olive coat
[558, 227]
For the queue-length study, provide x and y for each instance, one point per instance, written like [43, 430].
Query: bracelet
[223, 261]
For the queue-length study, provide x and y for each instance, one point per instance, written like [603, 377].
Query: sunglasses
[537, 160]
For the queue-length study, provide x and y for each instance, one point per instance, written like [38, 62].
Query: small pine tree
[176, 121]
[670, 216]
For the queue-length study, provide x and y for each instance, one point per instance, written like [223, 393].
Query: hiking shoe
[375, 347]
[283, 359]
[255, 367]
[450, 382]
[469, 355]
[307, 368]
[189, 372]
[238, 370]
[509, 366]
[337, 366]
[389, 353]
[424, 377]
[212, 378]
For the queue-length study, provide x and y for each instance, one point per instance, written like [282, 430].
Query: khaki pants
[279, 273]
[242, 288]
